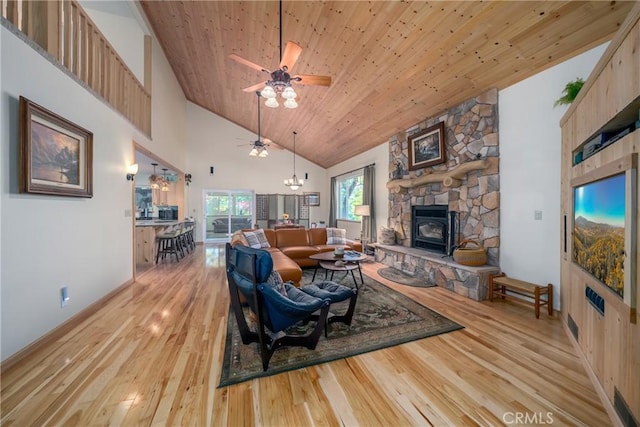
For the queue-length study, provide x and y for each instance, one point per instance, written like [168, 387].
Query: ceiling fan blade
[290, 56]
[254, 87]
[309, 79]
[248, 63]
[269, 143]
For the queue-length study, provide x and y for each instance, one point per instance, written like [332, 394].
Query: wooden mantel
[450, 178]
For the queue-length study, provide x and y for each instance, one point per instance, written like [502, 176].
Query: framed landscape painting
[426, 148]
[55, 155]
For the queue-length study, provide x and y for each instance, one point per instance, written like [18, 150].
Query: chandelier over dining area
[294, 183]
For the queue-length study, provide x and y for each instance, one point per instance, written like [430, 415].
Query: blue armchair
[247, 272]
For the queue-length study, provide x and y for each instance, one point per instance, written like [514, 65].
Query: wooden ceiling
[393, 64]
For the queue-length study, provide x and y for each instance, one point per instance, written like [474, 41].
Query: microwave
[168, 213]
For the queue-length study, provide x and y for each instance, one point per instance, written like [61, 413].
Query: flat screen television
[599, 230]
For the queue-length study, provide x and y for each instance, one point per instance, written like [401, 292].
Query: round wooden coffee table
[351, 259]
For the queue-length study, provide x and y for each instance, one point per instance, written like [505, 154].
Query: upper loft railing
[62, 28]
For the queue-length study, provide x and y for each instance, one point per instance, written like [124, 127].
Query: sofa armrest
[356, 245]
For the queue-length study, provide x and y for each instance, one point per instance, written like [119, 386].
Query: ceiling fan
[259, 146]
[281, 79]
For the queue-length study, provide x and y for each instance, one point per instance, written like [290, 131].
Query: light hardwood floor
[152, 356]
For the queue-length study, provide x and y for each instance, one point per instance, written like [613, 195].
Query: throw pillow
[336, 236]
[252, 239]
[257, 239]
[275, 281]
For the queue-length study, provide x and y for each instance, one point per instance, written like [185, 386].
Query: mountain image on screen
[599, 229]
[599, 249]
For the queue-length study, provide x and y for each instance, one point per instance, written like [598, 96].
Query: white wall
[85, 244]
[49, 242]
[168, 112]
[214, 141]
[530, 154]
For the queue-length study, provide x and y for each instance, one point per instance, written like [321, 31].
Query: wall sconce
[187, 178]
[132, 170]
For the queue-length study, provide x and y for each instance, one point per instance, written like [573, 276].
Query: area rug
[383, 318]
[403, 278]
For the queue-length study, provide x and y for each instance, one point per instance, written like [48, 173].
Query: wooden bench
[524, 291]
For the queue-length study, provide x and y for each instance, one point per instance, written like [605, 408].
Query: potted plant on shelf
[570, 92]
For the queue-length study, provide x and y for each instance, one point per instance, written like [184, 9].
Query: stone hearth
[471, 282]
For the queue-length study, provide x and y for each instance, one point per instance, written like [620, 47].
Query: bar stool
[168, 242]
[186, 237]
[191, 242]
[183, 240]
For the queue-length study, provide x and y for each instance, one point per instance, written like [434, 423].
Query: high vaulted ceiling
[393, 64]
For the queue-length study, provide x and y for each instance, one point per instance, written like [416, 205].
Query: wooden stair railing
[65, 31]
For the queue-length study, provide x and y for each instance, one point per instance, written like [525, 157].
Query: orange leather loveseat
[291, 248]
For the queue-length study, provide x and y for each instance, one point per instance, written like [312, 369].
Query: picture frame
[56, 155]
[426, 148]
[312, 199]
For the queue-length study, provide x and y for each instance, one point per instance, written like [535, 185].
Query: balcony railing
[64, 30]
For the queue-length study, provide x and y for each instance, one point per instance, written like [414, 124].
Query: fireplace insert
[433, 228]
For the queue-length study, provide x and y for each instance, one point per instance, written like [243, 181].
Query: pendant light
[153, 179]
[165, 183]
[294, 183]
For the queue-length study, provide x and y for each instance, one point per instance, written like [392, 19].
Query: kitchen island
[146, 232]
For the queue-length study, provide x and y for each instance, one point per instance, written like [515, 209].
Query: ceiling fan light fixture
[268, 92]
[253, 152]
[263, 153]
[281, 78]
[289, 93]
[290, 103]
[272, 103]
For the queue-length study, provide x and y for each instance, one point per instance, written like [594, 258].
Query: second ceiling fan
[281, 79]
[260, 145]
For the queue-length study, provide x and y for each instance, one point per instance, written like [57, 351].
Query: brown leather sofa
[292, 247]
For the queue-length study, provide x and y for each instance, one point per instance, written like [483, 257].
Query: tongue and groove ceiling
[393, 64]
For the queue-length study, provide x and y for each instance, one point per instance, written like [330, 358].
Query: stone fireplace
[466, 185]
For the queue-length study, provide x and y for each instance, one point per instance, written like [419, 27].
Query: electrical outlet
[64, 296]
[537, 215]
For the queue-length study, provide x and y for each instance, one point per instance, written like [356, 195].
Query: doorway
[226, 211]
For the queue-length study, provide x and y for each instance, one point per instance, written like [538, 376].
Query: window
[226, 211]
[349, 195]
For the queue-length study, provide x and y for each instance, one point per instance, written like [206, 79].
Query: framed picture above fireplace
[426, 148]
